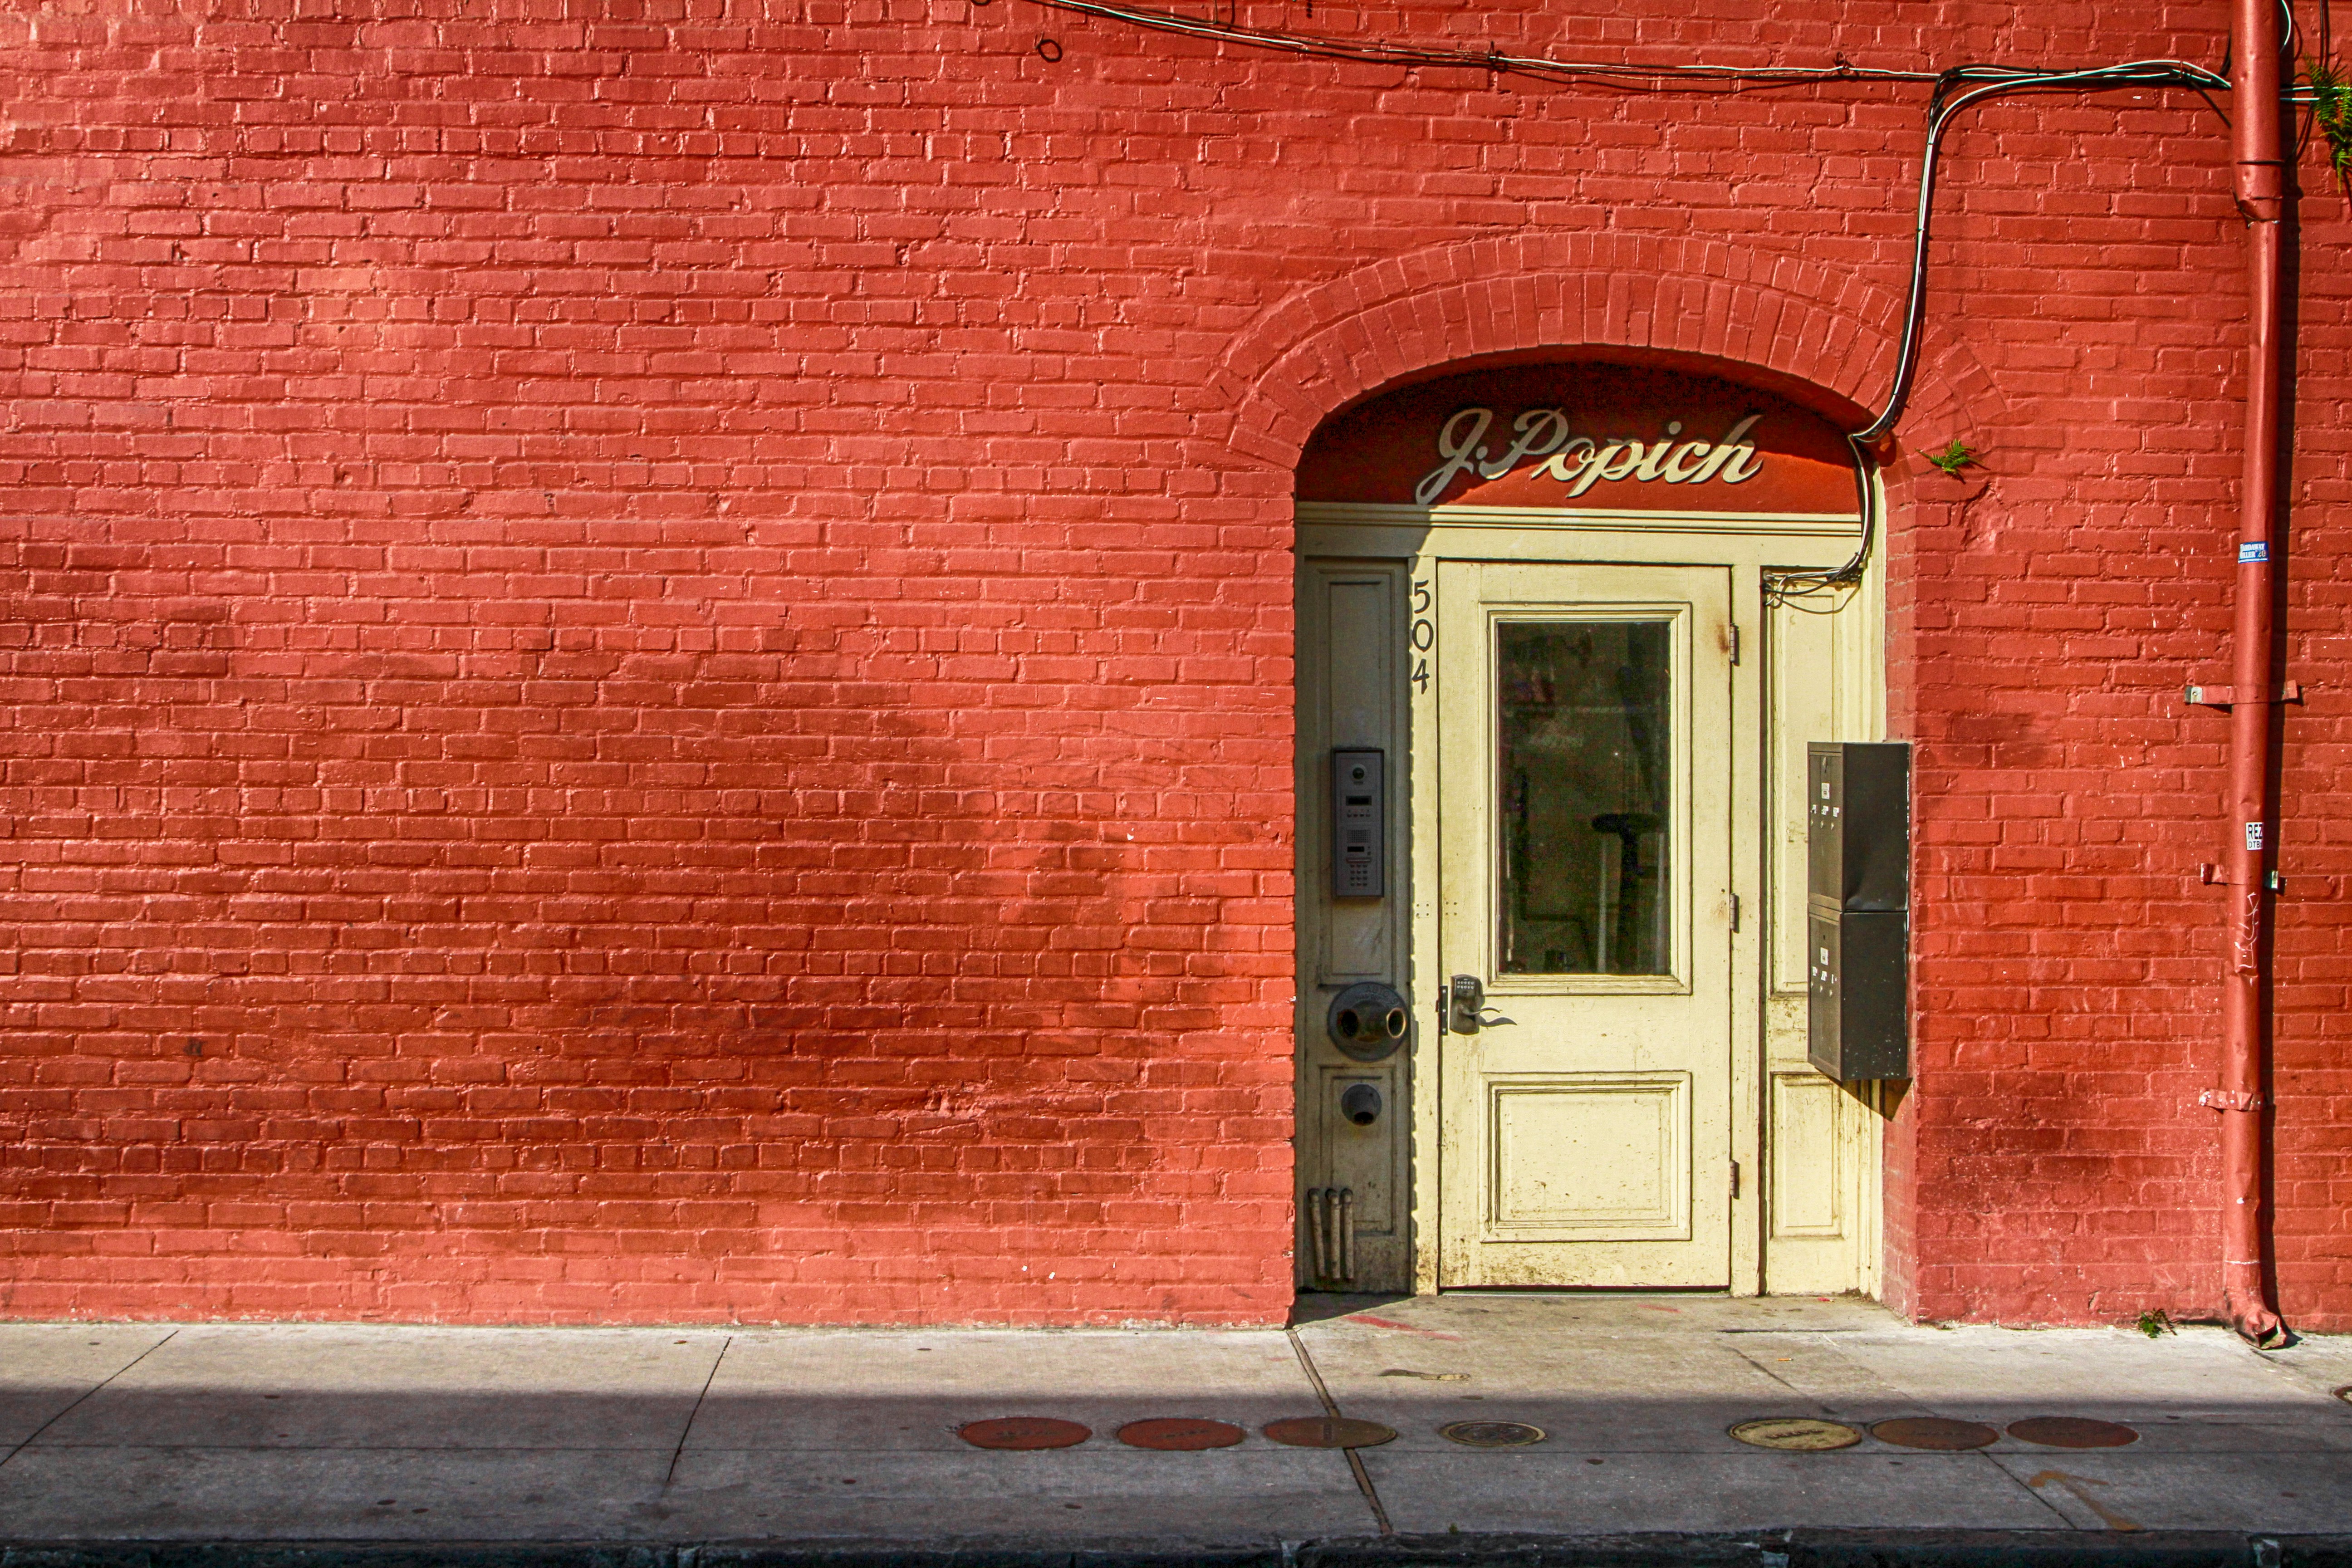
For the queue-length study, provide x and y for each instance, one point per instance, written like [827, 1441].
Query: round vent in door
[1369, 1021]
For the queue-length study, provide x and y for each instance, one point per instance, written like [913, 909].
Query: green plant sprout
[2156, 1323]
[2331, 109]
[1953, 459]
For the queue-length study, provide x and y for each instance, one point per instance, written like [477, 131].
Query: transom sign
[1588, 436]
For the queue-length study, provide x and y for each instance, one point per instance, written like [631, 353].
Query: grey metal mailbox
[1858, 909]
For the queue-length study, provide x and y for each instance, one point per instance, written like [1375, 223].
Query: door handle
[1466, 1011]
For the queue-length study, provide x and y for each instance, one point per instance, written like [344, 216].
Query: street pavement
[355, 1434]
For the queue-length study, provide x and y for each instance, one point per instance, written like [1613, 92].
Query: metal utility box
[1858, 917]
[1858, 812]
[1854, 972]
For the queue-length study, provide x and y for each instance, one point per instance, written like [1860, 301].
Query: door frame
[1746, 545]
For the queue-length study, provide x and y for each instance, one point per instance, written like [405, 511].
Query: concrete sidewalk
[119, 1433]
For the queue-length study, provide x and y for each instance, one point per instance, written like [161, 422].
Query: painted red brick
[648, 653]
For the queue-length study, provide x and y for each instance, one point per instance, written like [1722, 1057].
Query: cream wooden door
[1584, 802]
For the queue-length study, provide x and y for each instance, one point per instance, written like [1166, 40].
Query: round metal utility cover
[1491, 1434]
[2073, 1432]
[1180, 1433]
[1329, 1432]
[1369, 1021]
[1023, 1432]
[1796, 1434]
[1934, 1432]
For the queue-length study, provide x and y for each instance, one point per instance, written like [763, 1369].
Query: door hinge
[1735, 642]
[1735, 914]
[1734, 1178]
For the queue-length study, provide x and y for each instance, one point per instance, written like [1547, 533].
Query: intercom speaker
[1360, 831]
[1369, 1021]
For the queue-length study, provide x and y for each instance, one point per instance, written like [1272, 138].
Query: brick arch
[1798, 323]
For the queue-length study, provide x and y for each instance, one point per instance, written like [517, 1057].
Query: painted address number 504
[1422, 634]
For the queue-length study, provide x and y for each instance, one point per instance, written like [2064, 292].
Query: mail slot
[1858, 824]
[1856, 1011]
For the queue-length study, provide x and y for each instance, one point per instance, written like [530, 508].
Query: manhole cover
[1023, 1432]
[1180, 1433]
[1491, 1434]
[1933, 1432]
[2073, 1432]
[1329, 1432]
[1797, 1434]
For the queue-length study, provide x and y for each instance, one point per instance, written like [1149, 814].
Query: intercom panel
[1358, 824]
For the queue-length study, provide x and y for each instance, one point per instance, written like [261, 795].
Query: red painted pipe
[2260, 184]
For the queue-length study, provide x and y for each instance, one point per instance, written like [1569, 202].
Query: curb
[1752, 1549]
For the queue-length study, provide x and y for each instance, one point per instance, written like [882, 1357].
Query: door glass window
[1584, 743]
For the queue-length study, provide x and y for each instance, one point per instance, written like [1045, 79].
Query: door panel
[1822, 1148]
[1588, 1156]
[1350, 697]
[1584, 816]
[1808, 1187]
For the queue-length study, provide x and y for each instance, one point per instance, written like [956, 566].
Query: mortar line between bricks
[688, 1430]
[31, 1437]
[1331, 1409]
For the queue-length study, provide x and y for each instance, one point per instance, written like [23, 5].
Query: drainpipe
[2254, 52]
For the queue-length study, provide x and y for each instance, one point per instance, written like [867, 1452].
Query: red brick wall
[650, 648]
[2054, 1165]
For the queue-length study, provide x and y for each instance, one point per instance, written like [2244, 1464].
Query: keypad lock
[1466, 1011]
[1466, 999]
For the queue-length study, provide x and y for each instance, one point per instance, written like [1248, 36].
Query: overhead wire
[1959, 87]
[1788, 584]
[1367, 52]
